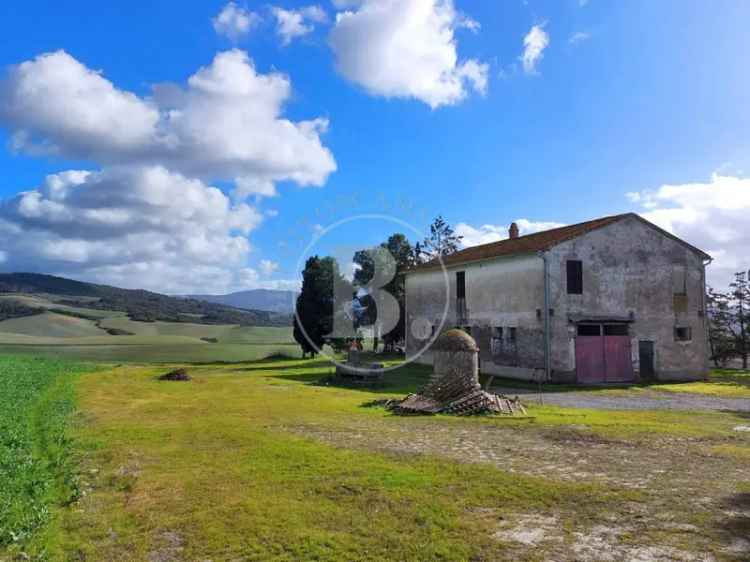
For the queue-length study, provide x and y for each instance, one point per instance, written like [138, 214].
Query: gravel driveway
[639, 400]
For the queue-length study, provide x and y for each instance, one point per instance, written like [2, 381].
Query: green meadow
[100, 335]
[265, 460]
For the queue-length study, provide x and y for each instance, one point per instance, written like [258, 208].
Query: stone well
[455, 355]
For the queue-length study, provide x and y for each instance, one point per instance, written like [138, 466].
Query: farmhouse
[615, 299]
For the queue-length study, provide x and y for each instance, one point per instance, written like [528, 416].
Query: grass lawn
[256, 461]
[725, 383]
[208, 468]
[728, 383]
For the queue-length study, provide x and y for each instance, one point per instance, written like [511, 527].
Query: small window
[589, 330]
[432, 330]
[679, 279]
[575, 277]
[460, 284]
[616, 330]
[683, 334]
[497, 332]
[512, 334]
[467, 329]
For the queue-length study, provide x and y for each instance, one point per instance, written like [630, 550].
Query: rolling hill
[268, 300]
[43, 315]
[139, 305]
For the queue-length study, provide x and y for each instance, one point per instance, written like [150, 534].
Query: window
[467, 329]
[683, 334]
[589, 330]
[460, 284]
[496, 342]
[575, 277]
[679, 279]
[512, 334]
[616, 330]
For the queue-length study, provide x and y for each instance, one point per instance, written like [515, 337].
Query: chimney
[513, 231]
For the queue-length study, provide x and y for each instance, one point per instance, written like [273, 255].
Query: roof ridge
[526, 244]
[550, 230]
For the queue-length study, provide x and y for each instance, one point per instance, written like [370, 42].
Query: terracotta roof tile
[532, 243]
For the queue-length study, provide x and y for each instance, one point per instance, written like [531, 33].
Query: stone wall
[630, 271]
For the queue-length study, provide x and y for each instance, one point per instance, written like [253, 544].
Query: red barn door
[603, 354]
[590, 366]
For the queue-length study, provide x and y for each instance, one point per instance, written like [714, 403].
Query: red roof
[537, 242]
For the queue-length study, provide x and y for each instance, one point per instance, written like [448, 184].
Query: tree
[729, 321]
[396, 250]
[442, 241]
[315, 307]
[740, 305]
[721, 339]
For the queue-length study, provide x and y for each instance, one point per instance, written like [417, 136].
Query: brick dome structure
[455, 340]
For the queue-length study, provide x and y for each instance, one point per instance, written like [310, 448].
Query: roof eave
[425, 268]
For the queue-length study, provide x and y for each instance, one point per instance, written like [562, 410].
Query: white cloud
[148, 216]
[578, 37]
[234, 22]
[291, 24]
[474, 236]
[157, 227]
[226, 124]
[712, 216]
[268, 267]
[534, 43]
[407, 49]
[466, 22]
[57, 105]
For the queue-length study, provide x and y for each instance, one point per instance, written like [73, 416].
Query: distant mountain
[138, 304]
[256, 299]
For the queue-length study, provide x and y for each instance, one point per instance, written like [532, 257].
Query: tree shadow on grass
[743, 414]
[279, 363]
[737, 525]
[402, 380]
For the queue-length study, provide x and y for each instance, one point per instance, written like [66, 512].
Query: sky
[209, 147]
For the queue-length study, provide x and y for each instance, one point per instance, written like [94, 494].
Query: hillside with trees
[140, 305]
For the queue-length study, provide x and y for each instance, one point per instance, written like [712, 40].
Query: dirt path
[689, 506]
[644, 400]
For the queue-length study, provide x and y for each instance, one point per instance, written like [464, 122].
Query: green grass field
[161, 351]
[59, 334]
[259, 461]
[37, 471]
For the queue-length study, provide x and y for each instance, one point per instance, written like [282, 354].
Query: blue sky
[629, 106]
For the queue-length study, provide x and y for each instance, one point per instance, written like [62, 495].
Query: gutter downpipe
[705, 315]
[547, 346]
